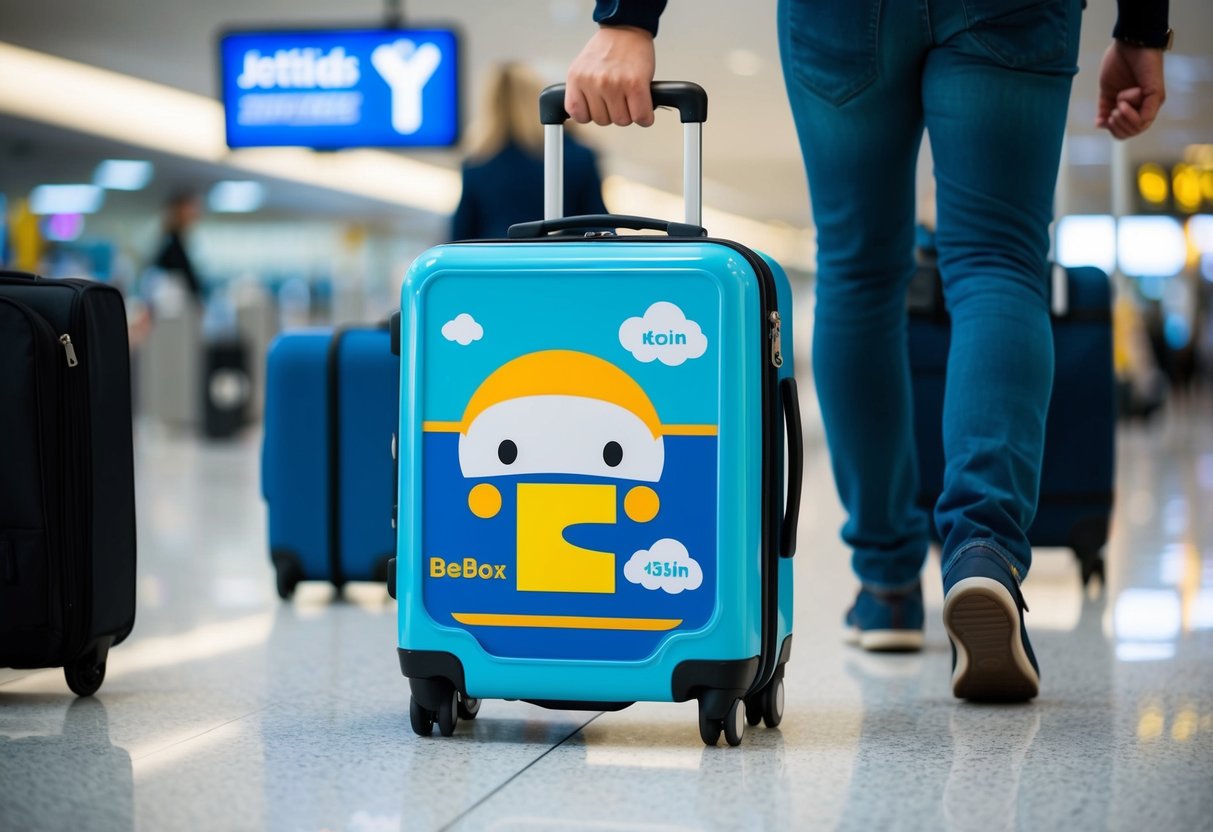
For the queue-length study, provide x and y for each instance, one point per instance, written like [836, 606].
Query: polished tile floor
[229, 710]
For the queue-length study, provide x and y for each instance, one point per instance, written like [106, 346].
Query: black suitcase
[227, 389]
[67, 501]
[1076, 479]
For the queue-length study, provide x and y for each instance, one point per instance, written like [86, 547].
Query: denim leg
[852, 69]
[995, 94]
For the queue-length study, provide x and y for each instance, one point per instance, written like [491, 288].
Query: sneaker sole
[982, 619]
[885, 641]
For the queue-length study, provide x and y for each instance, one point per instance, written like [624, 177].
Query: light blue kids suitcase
[327, 473]
[593, 449]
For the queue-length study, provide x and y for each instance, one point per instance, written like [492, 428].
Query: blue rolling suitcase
[327, 472]
[593, 453]
[1076, 482]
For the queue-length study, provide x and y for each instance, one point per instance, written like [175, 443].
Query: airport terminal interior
[147, 146]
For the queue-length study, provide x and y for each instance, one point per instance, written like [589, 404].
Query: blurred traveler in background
[1141, 385]
[170, 337]
[182, 212]
[990, 80]
[503, 176]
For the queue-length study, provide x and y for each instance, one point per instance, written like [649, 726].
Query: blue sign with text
[333, 89]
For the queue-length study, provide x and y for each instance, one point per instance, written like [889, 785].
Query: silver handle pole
[553, 171]
[692, 172]
[1060, 301]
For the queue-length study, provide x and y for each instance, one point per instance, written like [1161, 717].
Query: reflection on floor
[229, 710]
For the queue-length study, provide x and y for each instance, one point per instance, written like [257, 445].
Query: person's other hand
[1131, 89]
[609, 81]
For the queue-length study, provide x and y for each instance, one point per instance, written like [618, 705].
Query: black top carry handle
[692, 104]
[688, 98]
[597, 222]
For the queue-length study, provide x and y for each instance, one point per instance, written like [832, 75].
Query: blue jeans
[990, 81]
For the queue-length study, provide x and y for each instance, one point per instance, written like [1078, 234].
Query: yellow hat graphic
[562, 373]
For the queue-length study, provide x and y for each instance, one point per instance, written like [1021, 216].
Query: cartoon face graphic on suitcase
[563, 516]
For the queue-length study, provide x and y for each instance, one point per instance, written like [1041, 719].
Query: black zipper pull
[68, 349]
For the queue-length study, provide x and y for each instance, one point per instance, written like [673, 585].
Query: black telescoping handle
[597, 222]
[18, 275]
[791, 516]
[688, 98]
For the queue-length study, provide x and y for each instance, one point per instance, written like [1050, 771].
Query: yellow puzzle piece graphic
[546, 561]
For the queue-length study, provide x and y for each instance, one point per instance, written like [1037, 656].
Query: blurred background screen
[340, 88]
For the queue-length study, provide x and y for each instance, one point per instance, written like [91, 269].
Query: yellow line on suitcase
[442, 427]
[688, 430]
[571, 622]
[667, 430]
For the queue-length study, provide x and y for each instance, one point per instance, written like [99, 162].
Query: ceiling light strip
[86, 99]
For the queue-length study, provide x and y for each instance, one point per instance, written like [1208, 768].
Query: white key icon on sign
[407, 68]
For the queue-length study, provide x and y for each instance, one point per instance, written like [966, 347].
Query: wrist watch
[1164, 43]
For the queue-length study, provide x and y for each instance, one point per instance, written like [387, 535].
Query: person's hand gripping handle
[608, 83]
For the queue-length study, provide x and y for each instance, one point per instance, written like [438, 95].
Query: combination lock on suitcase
[592, 460]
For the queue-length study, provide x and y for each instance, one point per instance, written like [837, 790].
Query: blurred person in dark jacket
[181, 213]
[503, 175]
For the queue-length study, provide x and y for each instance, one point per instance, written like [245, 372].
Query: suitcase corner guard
[428, 672]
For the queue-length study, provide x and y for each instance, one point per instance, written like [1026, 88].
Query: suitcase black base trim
[432, 673]
[429, 673]
[693, 678]
[716, 684]
[576, 705]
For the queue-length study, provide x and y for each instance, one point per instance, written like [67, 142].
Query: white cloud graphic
[664, 334]
[463, 330]
[666, 565]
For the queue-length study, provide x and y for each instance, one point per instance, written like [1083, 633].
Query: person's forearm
[1141, 22]
[642, 14]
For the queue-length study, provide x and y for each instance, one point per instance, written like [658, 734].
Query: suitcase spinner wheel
[447, 716]
[468, 707]
[1091, 562]
[733, 724]
[451, 706]
[85, 674]
[287, 575]
[1087, 538]
[766, 706]
[421, 719]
